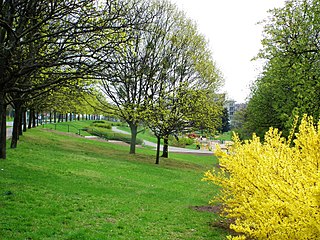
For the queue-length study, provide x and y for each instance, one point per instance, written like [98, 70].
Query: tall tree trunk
[66, 117]
[158, 150]
[134, 132]
[3, 127]
[70, 117]
[16, 124]
[54, 116]
[34, 120]
[165, 152]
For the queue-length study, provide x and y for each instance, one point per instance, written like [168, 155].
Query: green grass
[226, 136]
[56, 186]
[9, 119]
[72, 127]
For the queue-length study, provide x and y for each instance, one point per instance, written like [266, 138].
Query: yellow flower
[272, 188]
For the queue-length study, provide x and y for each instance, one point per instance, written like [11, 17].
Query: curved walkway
[171, 149]
[147, 143]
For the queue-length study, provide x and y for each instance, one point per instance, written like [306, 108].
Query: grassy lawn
[72, 127]
[226, 136]
[57, 186]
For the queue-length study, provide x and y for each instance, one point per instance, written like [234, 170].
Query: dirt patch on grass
[221, 223]
[215, 209]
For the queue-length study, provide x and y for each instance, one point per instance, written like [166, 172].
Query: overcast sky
[234, 37]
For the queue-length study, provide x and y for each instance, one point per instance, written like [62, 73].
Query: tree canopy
[290, 82]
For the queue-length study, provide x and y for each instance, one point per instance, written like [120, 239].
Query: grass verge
[57, 186]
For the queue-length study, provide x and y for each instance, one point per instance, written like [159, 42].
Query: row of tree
[143, 60]
[45, 46]
[290, 82]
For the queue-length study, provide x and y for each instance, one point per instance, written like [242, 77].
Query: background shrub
[181, 142]
[272, 189]
[109, 135]
[99, 121]
[101, 124]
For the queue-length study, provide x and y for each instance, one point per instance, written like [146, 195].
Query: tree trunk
[34, 120]
[3, 127]
[134, 132]
[70, 117]
[165, 152]
[66, 117]
[16, 124]
[158, 150]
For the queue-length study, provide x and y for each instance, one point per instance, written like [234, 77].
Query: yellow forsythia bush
[272, 189]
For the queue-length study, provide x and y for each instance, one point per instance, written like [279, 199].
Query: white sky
[234, 37]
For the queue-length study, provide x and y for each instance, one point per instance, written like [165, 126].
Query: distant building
[232, 107]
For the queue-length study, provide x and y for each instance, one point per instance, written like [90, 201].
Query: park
[113, 126]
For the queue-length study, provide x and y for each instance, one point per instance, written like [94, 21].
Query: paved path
[147, 143]
[171, 149]
[9, 130]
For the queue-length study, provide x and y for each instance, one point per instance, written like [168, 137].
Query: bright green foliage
[103, 132]
[290, 82]
[272, 189]
[101, 124]
[180, 142]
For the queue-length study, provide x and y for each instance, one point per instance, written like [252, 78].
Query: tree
[225, 126]
[289, 84]
[187, 110]
[185, 85]
[129, 75]
[239, 119]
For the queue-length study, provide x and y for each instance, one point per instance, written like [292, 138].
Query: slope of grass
[56, 186]
[72, 127]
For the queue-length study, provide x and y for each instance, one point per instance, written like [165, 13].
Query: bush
[119, 124]
[99, 121]
[272, 189]
[109, 135]
[101, 124]
[182, 142]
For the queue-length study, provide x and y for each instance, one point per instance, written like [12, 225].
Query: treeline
[290, 82]
[143, 61]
